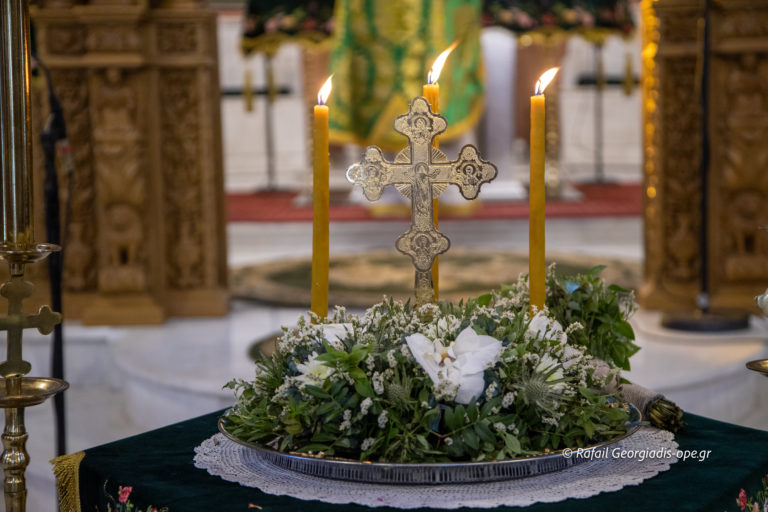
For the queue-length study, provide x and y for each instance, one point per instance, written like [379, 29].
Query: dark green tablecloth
[158, 467]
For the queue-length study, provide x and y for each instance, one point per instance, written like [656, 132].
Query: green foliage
[584, 299]
[602, 310]
[363, 395]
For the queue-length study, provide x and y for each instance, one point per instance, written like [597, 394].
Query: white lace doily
[644, 454]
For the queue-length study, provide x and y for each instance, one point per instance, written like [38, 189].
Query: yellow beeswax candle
[320, 203]
[536, 227]
[432, 93]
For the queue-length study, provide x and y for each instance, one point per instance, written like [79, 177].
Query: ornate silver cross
[421, 172]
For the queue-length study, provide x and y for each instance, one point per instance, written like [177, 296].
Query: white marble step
[177, 371]
[704, 373]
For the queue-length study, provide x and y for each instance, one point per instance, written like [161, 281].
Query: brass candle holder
[18, 249]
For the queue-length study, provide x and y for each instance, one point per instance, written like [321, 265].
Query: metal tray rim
[380, 469]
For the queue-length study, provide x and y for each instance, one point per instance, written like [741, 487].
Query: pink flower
[126, 491]
[755, 508]
[742, 500]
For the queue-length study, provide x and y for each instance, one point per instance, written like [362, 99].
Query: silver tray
[433, 472]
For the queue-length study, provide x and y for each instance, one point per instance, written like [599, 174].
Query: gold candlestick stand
[18, 249]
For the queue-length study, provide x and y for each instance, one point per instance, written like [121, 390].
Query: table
[157, 465]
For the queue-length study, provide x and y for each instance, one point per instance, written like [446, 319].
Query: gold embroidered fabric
[382, 53]
[67, 471]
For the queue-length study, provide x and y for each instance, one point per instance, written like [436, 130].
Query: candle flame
[325, 91]
[437, 66]
[545, 79]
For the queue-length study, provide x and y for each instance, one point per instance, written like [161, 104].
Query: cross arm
[44, 321]
[469, 172]
[373, 173]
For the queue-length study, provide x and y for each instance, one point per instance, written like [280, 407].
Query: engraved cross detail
[421, 172]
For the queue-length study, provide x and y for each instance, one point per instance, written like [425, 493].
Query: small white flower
[347, 423]
[448, 441]
[499, 427]
[549, 421]
[461, 363]
[575, 326]
[490, 390]
[365, 405]
[571, 356]
[313, 371]
[367, 443]
[370, 362]
[508, 400]
[391, 359]
[378, 383]
[383, 419]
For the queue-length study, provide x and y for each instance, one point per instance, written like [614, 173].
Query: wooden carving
[80, 273]
[145, 235]
[737, 249]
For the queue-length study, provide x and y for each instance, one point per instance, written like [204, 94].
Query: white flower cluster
[508, 400]
[378, 379]
[346, 424]
[365, 405]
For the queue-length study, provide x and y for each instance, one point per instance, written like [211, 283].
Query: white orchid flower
[313, 371]
[545, 328]
[334, 333]
[460, 364]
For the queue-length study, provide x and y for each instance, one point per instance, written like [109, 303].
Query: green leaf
[344, 442]
[293, 426]
[594, 271]
[484, 299]
[485, 433]
[625, 329]
[357, 373]
[324, 437]
[589, 428]
[512, 443]
[472, 410]
[314, 447]
[326, 407]
[316, 391]
[364, 388]
[471, 439]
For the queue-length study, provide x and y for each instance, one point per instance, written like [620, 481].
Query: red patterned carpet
[599, 200]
